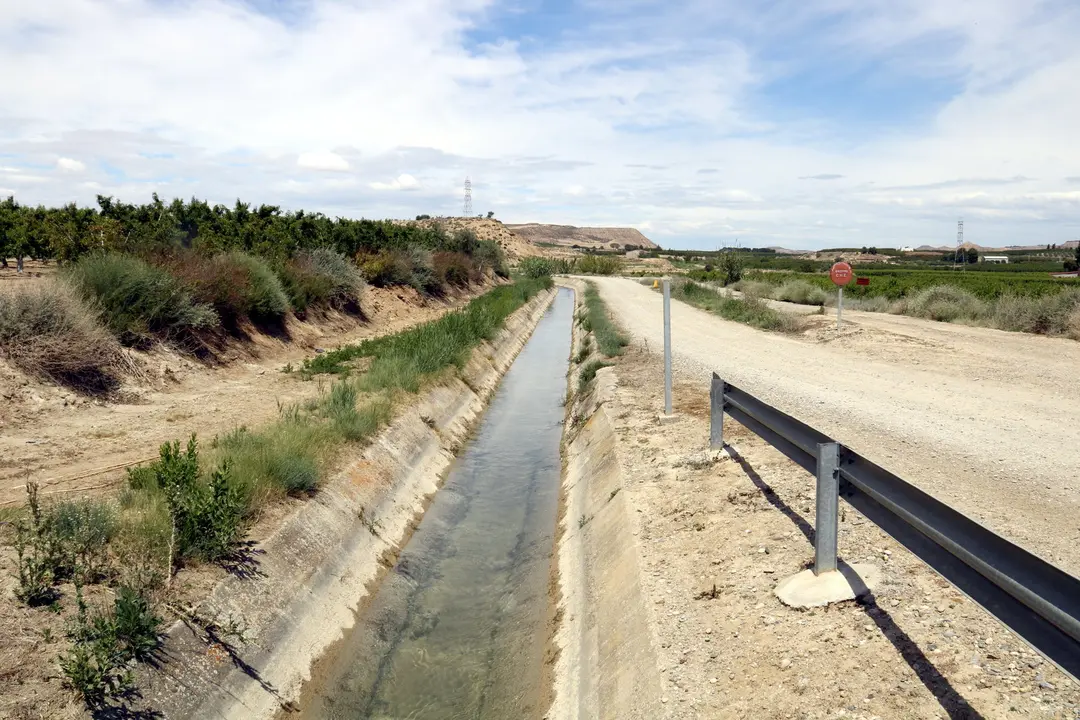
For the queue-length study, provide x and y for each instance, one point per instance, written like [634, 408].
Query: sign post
[667, 347]
[841, 275]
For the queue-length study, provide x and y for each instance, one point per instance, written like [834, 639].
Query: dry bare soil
[717, 532]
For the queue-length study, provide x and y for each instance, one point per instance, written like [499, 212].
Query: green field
[896, 283]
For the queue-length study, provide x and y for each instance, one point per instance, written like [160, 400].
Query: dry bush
[454, 269]
[1056, 314]
[946, 303]
[48, 331]
[239, 287]
[755, 288]
[801, 292]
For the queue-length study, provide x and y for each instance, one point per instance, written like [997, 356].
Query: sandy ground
[73, 444]
[740, 524]
[983, 419]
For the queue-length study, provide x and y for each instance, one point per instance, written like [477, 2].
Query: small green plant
[584, 351]
[588, 372]
[582, 521]
[33, 556]
[207, 518]
[96, 665]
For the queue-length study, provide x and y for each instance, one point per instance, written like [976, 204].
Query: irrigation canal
[457, 628]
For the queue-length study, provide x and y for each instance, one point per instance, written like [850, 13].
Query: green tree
[971, 256]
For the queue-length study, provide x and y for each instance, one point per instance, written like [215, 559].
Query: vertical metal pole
[716, 413]
[828, 507]
[839, 305]
[667, 346]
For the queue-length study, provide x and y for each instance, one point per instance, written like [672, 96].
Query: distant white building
[907, 248]
[995, 259]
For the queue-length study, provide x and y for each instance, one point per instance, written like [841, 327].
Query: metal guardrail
[1031, 597]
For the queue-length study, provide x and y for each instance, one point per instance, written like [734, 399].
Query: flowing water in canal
[456, 629]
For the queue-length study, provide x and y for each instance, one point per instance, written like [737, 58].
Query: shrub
[598, 265]
[104, 644]
[385, 268]
[139, 301]
[490, 256]
[755, 288]
[305, 286]
[802, 292]
[80, 532]
[1049, 315]
[453, 269]
[422, 271]
[730, 264]
[400, 267]
[946, 303]
[49, 331]
[207, 518]
[32, 555]
[346, 280]
[535, 267]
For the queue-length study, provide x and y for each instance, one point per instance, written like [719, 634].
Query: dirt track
[983, 419]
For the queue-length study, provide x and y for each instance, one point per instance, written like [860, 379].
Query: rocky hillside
[586, 237]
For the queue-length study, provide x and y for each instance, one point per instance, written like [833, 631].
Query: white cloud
[70, 165]
[323, 161]
[588, 128]
[401, 182]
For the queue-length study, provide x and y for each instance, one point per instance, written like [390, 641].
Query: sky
[795, 123]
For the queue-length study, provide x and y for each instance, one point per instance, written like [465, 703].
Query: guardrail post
[716, 413]
[828, 507]
[667, 346]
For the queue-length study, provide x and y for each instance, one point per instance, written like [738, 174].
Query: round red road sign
[841, 274]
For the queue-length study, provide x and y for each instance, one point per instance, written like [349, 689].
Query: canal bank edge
[607, 663]
[315, 570]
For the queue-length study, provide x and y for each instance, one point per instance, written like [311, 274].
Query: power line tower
[960, 256]
[467, 210]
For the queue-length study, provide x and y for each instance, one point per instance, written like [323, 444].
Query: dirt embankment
[712, 535]
[600, 238]
[70, 443]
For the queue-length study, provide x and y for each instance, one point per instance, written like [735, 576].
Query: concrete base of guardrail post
[846, 582]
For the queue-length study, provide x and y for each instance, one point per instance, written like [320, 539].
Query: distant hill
[585, 237]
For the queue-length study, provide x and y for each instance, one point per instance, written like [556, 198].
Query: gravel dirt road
[985, 420]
